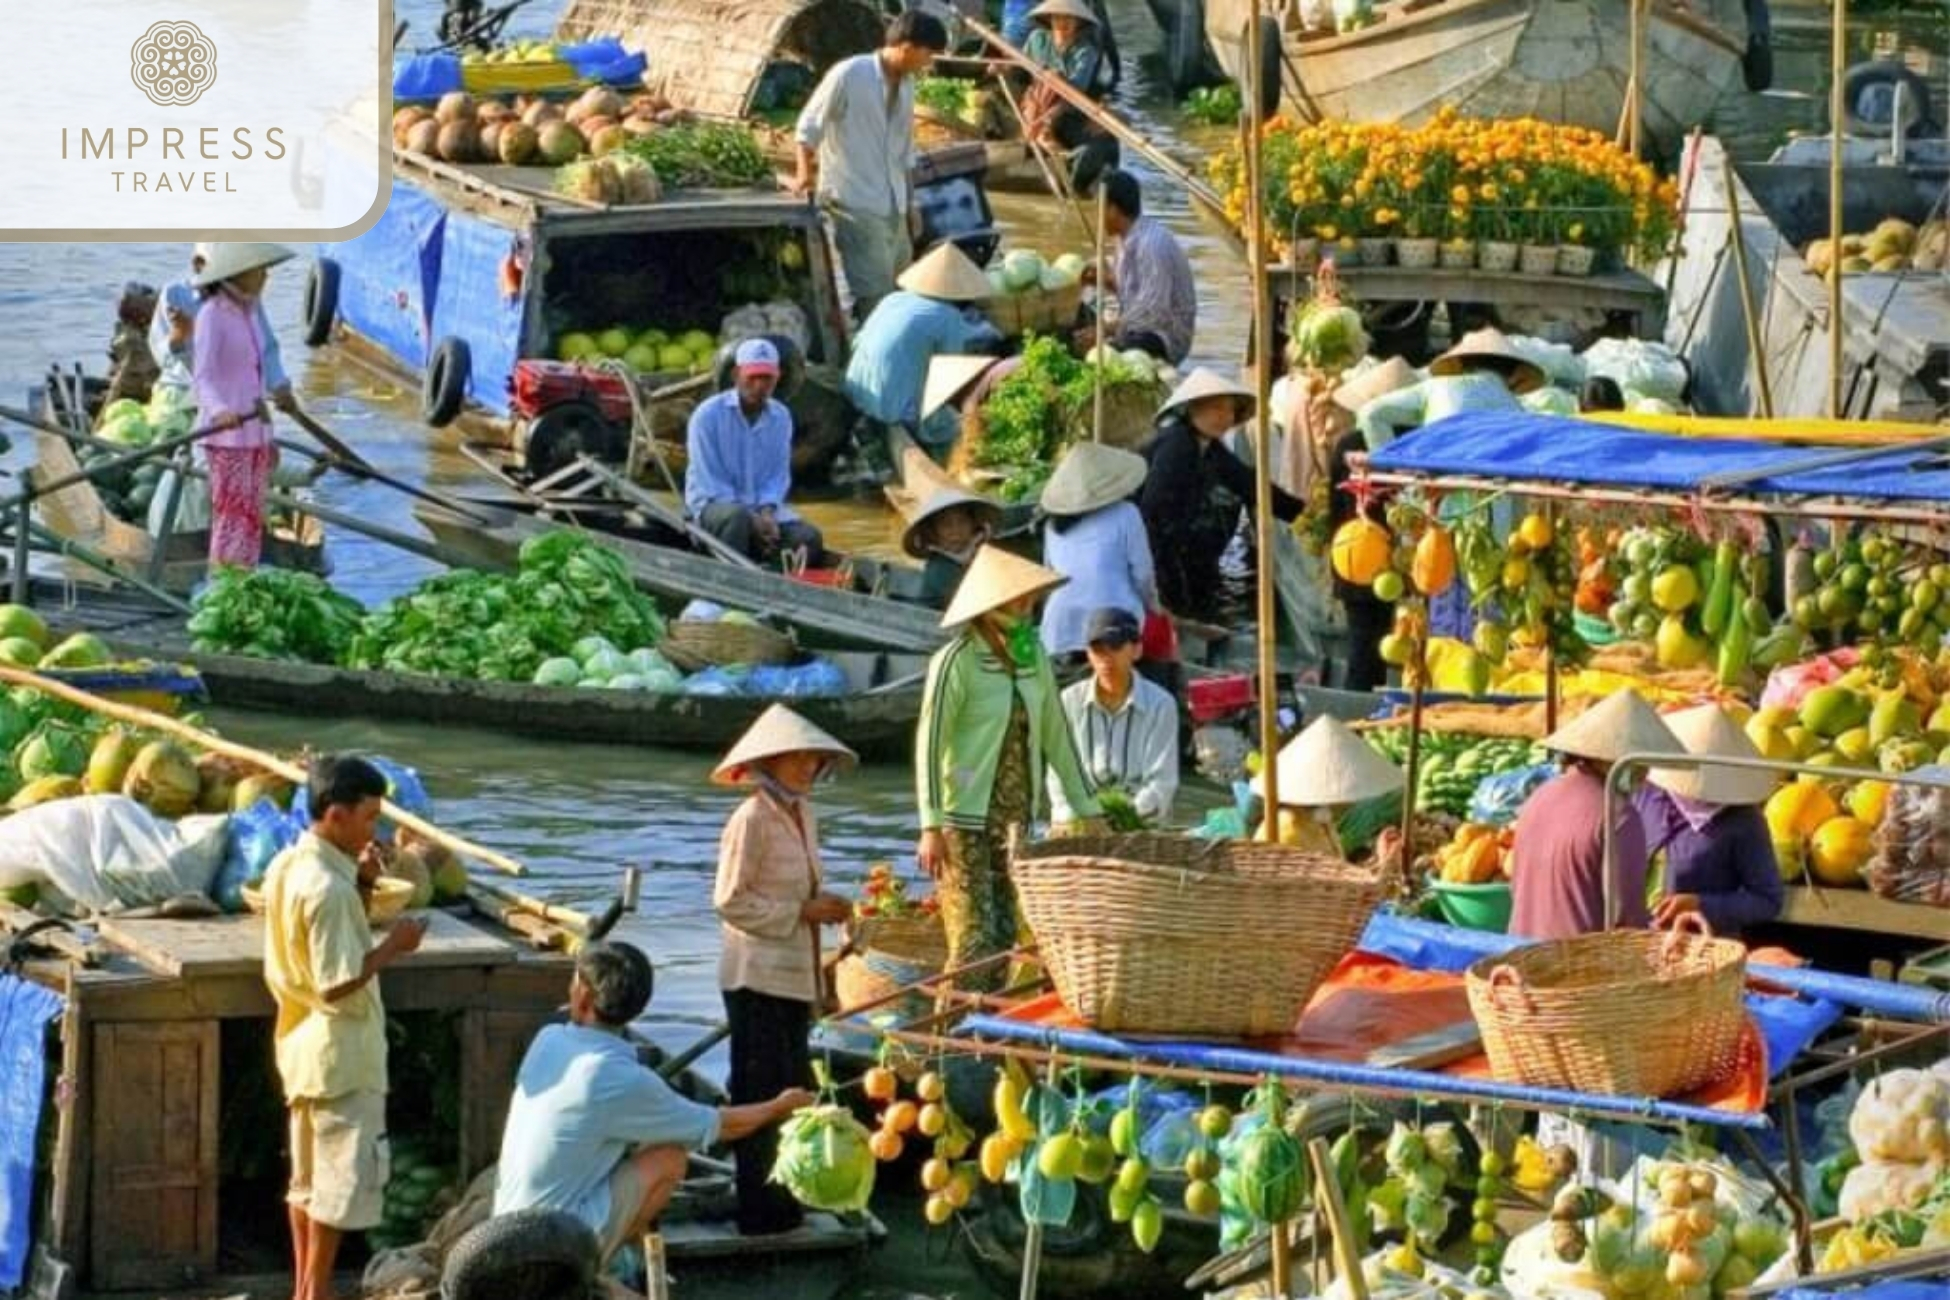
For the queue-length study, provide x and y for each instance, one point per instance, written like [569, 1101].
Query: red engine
[542, 385]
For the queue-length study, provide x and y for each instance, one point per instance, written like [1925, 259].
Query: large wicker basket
[1170, 935]
[885, 955]
[1624, 1012]
[1046, 311]
[694, 643]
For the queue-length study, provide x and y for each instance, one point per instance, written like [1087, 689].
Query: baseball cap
[757, 357]
[1113, 627]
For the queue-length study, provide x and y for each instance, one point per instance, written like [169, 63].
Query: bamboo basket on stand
[1623, 1012]
[1171, 935]
[885, 954]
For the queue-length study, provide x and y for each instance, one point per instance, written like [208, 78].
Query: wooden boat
[1559, 60]
[1896, 345]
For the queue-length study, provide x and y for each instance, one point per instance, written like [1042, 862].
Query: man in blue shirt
[740, 445]
[932, 314]
[596, 1134]
[172, 338]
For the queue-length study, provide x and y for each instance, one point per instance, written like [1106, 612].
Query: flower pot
[1303, 254]
[1496, 255]
[1575, 259]
[1418, 254]
[1376, 250]
[1537, 259]
[1456, 255]
[1345, 252]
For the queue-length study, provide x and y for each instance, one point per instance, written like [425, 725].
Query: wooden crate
[154, 1163]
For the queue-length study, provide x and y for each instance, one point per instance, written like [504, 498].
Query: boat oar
[153, 721]
[341, 456]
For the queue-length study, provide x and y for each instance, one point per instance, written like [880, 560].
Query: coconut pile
[529, 131]
[1893, 246]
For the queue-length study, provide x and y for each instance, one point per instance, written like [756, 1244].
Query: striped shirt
[865, 146]
[1154, 287]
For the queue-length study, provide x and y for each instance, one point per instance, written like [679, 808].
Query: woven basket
[1043, 310]
[887, 955]
[694, 644]
[1628, 1013]
[1170, 935]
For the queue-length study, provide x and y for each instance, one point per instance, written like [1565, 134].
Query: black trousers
[769, 1053]
[1367, 622]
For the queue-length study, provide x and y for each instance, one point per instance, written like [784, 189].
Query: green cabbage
[823, 1159]
[1328, 336]
[559, 671]
[54, 749]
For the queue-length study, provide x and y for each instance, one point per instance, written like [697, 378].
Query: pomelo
[576, 346]
[455, 106]
[640, 357]
[518, 144]
[613, 342]
[560, 144]
[423, 137]
[82, 650]
[19, 652]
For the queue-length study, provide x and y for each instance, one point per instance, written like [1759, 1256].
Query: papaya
[1433, 568]
[1839, 849]
[1830, 710]
[1798, 810]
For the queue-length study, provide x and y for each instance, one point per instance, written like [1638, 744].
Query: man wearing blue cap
[1126, 728]
[740, 444]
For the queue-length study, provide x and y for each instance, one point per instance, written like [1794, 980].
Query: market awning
[1524, 447]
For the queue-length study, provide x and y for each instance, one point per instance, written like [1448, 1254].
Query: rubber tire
[1916, 100]
[792, 367]
[321, 307]
[560, 434]
[1185, 62]
[1271, 61]
[1757, 64]
[445, 389]
[527, 1255]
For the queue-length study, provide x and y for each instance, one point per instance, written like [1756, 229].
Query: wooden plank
[493, 1041]
[233, 945]
[69, 1226]
[1626, 291]
[154, 1180]
[1857, 909]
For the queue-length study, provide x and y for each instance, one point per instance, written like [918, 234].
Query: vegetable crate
[1043, 310]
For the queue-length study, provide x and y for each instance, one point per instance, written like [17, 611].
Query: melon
[18, 620]
[424, 137]
[405, 120]
[559, 143]
[494, 110]
[608, 140]
[517, 144]
[459, 142]
[641, 358]
[82, 650]
[490, 141]
[576, 346]
[540, 113]
[593, 125]
[109, 762]
[673, 356]
[639, 125]
[455, 106]
[163, 777]
[614, 342]
[19, 652]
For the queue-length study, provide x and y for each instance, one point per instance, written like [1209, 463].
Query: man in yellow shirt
[322, 967]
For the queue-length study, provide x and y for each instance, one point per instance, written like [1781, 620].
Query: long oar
[343, 457]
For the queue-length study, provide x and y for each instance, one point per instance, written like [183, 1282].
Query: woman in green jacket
[991, 725]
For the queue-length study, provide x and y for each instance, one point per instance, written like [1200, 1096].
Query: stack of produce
[648, 349]
[1912, 847]
[1454, 763]
[1697, 603]
[529, 131]
[946, 1177]
[1478, 855]
[1899, 1193]
[1031, 416]
[271, 613]
[1892, 247]
[515, 52]
[416, 1195]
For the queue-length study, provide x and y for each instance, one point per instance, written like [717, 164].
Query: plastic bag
[104, 852]
[1352, 15]
[713, 681]
[1788, 686]
[1550, 400]
[1561, 366]
[403, 787]
[1498, 799]
[257, 835]
[1645, 368]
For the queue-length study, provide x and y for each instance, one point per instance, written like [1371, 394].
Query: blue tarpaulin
[1911, 1289]
[1500, 445]
[429, 76]
[25, 1010]
[389, 275]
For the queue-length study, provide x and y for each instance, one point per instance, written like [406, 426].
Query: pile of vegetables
[823, 1159]
[1033, 414]
[1454, 763]
[1024, 270]
[1215, 105]
[1326, 335]
[702, 155]
[946, 96]
[417, 1194]
[274, 613]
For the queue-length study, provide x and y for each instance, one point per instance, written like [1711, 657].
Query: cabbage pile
[823, 1159]
[1327, 335]
[128, 423]
[1024, 270]
[595, 661]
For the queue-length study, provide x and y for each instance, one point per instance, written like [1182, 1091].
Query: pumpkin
[1434, 565]
[1362, 549]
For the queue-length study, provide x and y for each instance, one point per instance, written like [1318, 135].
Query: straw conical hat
[1327, 766]
[1062, 9]
[1618, 725]
[995, 577]
[1490, 345]
[946, 498]
[778, 731]
[1204, 382]
[1091, 476]
[949, 376]
[226, 260]
[1375, 381]
[1708, 731]
[946, 273]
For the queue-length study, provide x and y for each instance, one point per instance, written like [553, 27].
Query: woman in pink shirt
[230, 397]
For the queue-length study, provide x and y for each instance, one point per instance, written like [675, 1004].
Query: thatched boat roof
[708, 55]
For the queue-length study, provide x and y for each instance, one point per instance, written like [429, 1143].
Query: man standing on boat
[322, 969]
[856, 146]
[740, 445]
[172, 337]
[1152, 278]
[593, 1132]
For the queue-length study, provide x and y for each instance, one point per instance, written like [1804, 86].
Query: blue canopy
[1506, 445]
[604, 60]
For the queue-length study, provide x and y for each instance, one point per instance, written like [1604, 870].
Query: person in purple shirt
[1719, 853]
[1557, 878]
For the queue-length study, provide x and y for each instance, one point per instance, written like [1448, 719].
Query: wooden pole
[1551, 669]
[1103, 345]
[1837, 110]
[1267, 615]
[215, 744]
[1032, 1245]
[1638, 77]
[1755, 344]
[1328, 1195]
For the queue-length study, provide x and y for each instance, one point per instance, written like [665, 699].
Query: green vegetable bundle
[1028, 417]
[702, 155]
[946, 96]
[274, 614]
[1215, 105]
[824, 1161]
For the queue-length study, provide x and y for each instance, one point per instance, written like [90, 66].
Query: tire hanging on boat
[1187, 62]
[1757, 64]
[527, 1255]
[1272, 57]
[1873, 85]
[445, 390]
[321, 306]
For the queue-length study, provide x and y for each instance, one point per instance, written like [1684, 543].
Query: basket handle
[1504, 976]
[1689, 925]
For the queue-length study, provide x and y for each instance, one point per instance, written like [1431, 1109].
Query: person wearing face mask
[1707, 821]
[991, 726]
[771, 900]
[1125, 728]
[944, 535]
[1194, 489]
[1557, 880]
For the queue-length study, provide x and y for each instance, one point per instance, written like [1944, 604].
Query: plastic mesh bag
[1498, 799]
[257, 834]
[1912, 845]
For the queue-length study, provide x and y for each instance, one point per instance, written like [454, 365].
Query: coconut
[45, 789]
[594, 125]
[593, 181]
[596, 101]
[559, 143]
[423, 137]
[405, 119]
[219, 776]
[410, 866]
[493, 110]
[109, 762]
[608, 140]
[459, 142]
[163, 777]
[540, 113]
[490, 141]
[517, 145]
[259, 786]
[639, 124]
[639, 180]
[455, 106]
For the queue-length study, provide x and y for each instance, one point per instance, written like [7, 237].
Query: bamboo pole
[1097, 389]
[1837, 109]
[1638, 77]
[1339, 1226]
[1755, 344]
[566, 917]
[153, 721]
[1268, 631]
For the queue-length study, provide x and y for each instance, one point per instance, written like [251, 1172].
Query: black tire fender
[1185, 48]
[1271, 60]
[321, 307]
[527, 1255]
[445, 390]
[1757, 64]
[792, 366]
[1876, 80]
[558, 435]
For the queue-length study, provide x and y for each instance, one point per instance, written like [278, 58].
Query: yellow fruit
[1791, 857]
[1676, 648]
[1866, 801]
[1839, 849]
[1133, 1175]
[1361, 550]
[960, 1189]
[929, 1087]
[1516, 572]
[900, 1117]
[1201, 1165]
[1534, 532]
[1770, 740]
[880, 1084]
[1098, 1160]
[932, 1119]
[1061, 1157]
[995, 1157]
[1434, 565]
[938, 1210]
[1796, 811]
[935, 1174]
[1855, 746]
[1007, 1100]
[1215, 1122]
[1123, 1132]
[886, 1145]
[1147, 1225]
[1202, 1197]
[1676, 589]
[1124, 1202]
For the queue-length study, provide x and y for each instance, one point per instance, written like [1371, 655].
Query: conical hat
[994, 578]
[946, 273]
[1328, 766]
[1375, 381]
[1204, 382]
[1062, 9]
[945, 498]
[1618, 725]
[778, 731]
[1490, 345]
[949, 376]
[1708, 731]
[226, 260]
[1091, 476]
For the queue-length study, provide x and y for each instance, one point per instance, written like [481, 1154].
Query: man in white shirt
[856, 145]
[1126, 728]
